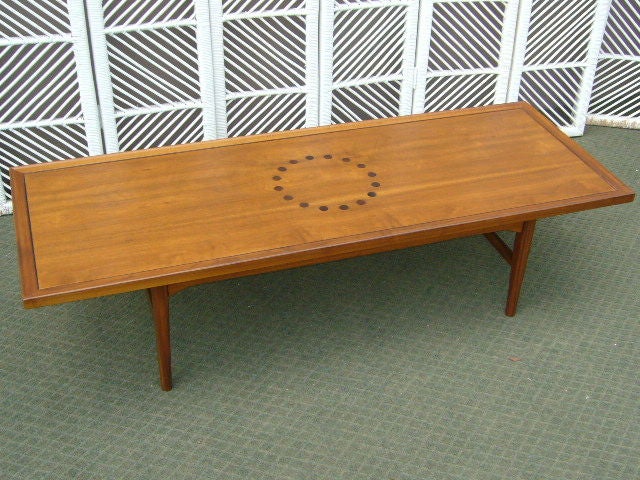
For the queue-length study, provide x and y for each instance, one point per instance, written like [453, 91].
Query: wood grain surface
[175, 215]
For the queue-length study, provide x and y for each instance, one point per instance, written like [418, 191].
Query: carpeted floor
[395, 366]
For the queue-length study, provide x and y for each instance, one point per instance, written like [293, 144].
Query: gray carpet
[395, 366]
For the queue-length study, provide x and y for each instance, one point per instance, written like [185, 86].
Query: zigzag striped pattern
[38, 82]
[161, 128]
[554, 91]
[363, 102]
[559, 31]
[459, 91]
[466, 35]
[265, 53]
[24, 146]
[34, 18]
[616, 87]
[135, 12]
[368, 42]
[265, 113]
[247, 6]
[153, 67]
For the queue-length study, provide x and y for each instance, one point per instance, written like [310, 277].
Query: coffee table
[168, 218]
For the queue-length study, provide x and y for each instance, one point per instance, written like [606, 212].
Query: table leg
[160, 307]
[521, 249]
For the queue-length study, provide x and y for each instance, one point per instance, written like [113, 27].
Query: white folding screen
[48, 109]
[615, 99]
[464, 53]
[554, 59]
[270, 52]
[367, 59]
[152, 63]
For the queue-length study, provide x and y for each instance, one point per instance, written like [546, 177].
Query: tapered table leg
[160, 307]
[521, 249]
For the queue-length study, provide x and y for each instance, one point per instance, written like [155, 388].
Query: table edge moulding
[168, 218]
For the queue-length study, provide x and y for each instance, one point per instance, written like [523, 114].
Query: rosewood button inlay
[295, 176]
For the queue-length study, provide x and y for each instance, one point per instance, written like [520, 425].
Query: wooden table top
[126, 221]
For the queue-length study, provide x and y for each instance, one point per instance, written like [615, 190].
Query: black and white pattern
[140, 12]
[614, 99]
[265, 53]
[556, 51]
[450, 92]
[367, 50]
[270, 65]
[365, 102]
[48, 109]
[463, 54]
[466, 35]
[148, 58]
[255, 6]
[265, 113]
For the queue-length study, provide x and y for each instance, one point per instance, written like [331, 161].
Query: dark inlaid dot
[293, 162]
[372, 174]
[375, 184]
[304, 204]
[288, 197]
[344, 207]
[372, 194]
[327, 156]
[346, 159]
[361, 202]
[277, 177]
[278, 188]
[324, 208]
[309, 157]
[282, 169]
[362, 165]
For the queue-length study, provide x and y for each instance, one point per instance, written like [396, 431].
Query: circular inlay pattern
[344, 201]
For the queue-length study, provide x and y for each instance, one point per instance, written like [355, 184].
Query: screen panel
[464, 54]
[614, 99]
[555, 58]
[48, 109]
[153, 71]
[270, 54]
[367, 62]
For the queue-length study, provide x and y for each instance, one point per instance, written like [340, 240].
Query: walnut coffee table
[168, 218]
